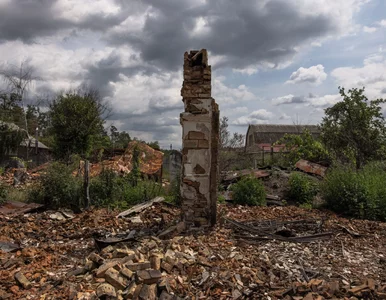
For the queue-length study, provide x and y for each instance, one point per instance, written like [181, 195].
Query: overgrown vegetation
[249, 191]
[231, 150]
[77, 123]
[109, 189]
[303, 146]
[354, 129]
[302, 189]
[357, 193]
[3, 193]
[58, 188]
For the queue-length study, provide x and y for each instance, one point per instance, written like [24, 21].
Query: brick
[106, 289]
[149, 276]
[113, 277]
[196, 135]
[126, 272]
[100, 272]
[96, 258]
[148, 292]
[190, 144]
[131, 290]
[120, 253]
[166, 296]
[203, 144]
[23, 281]
[155, 262]
[167, 267]
[138, 266]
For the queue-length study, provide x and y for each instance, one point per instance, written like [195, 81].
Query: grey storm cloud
[237, 30]
[26, 20]
[383, 91]
[240, 31]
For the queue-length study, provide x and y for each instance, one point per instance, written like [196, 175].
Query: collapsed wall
[200, 138]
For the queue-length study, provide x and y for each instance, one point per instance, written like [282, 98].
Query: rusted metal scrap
[15, 207]
[311, 168]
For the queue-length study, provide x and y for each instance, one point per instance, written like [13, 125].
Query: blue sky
[274, 61]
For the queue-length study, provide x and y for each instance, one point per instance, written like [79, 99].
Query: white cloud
[314, 75]
[260, 116]
[369, 29]
[324, 101]
[372, 75]
[288, 99]
[227, 95]
[382, 23]
[76, 11]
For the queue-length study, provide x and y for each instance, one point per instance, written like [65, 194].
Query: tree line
[71, 122]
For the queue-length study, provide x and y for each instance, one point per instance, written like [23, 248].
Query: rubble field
[281, 252]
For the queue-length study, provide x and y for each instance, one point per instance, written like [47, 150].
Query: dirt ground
[226, 262]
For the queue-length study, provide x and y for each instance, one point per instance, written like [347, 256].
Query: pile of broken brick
[59, 260]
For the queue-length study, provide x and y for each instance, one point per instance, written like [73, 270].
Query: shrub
[249, 191]
[109, 189]
[102, 187]
[3, 193]
[58, 188]
[221, 198]
[359, 194]
[302, 189]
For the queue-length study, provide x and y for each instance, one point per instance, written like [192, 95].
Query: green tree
[119, 139]
[155, 145]
[354, 128]
[303, 146]
[231, 150]
[76, 123]
[10, 138]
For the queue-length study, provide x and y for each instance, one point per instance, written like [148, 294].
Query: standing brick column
[200, 138]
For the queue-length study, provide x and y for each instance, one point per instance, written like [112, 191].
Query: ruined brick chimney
[200, 139]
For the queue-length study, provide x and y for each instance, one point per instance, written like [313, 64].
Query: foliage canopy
[354, 128]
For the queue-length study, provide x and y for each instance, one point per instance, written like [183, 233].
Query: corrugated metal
[271, 133]
[279, 128]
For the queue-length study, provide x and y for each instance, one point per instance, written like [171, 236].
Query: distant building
[261, 137]
[28, 150]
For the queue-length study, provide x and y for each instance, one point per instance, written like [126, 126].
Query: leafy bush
[302, 189]
[19, 195]
[173, 194]
[303, 146]
[109, 189]
[360, 194]
[221, 198]
[58, 188]
[249, 191]
[3, 193]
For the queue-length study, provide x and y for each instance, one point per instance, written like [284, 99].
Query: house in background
[30, 149]
[260, 138]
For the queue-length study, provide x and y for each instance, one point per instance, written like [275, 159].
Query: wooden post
[263, 155]
[271, 154]
[87, 183]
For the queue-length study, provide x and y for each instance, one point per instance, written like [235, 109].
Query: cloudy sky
[273, 61]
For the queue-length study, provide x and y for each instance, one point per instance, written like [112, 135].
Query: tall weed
[359, 194]
[302, 188]
[249, 191]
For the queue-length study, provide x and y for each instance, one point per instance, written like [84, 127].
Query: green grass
[359, 194]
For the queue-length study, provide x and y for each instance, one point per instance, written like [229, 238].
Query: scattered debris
[14, 207]
[96, 255]
[140, 207]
